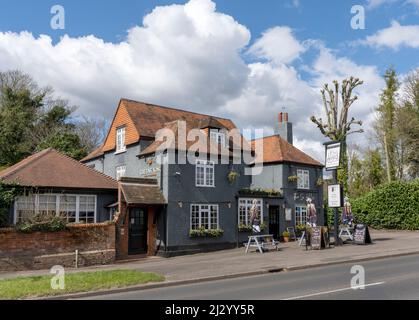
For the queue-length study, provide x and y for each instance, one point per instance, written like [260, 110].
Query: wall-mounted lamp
[180, 204]
[177, 174]
[229, 205]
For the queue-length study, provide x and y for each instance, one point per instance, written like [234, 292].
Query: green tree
[386, 124]
[31, 120]
[408, 123]
[18, 109]
[338, 126]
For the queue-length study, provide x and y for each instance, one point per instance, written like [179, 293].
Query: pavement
[235, 263]
[386, 279]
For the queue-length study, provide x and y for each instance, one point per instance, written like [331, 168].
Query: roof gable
[49, 168]
[122, 118]
[276, 149]
[144, 120]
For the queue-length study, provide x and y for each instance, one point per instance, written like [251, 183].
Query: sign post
[333, 152]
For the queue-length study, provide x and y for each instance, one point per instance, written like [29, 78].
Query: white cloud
[278, 45]
[395, 37]
[185, 55]
[373, 4]
[190, 56]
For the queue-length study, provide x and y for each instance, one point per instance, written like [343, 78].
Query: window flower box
[248, 228]
[203, 233]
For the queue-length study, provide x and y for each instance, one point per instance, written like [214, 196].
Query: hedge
[391, 206]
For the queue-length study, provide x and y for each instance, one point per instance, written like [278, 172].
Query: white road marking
[334, 291]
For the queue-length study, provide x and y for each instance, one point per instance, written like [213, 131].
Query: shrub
[43, 223]
[391, 206]
[8, 193]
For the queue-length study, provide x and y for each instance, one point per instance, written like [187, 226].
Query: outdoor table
[260, 241]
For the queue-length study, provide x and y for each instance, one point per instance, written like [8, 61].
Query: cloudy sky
[246, 60]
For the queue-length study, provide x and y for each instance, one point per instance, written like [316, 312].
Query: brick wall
[42, 250]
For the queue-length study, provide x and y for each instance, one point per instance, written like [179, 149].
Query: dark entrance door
[274, 221]
[137, 242]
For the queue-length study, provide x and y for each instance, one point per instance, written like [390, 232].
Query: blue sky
[328, 20]
[229, 57]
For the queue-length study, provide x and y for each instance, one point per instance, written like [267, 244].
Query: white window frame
[120, 140]
[57, 204]
[200, 211]
[299, 210]
[218, 137]
[247, 206]
[303, 181]
[204, 164]
[118, 172]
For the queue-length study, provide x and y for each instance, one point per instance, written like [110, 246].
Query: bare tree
[337, 127]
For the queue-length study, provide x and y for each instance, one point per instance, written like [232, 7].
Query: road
[393, 278]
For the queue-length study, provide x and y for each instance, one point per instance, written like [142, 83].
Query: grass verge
[40, 286]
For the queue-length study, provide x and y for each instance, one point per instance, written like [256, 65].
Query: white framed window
[120, 140]
[120, 172]
[204, 173]
[204, 216]
[73, 208]
[245, 204]
[303, 181]
[300, 215]
[68, 208]
[218, 137]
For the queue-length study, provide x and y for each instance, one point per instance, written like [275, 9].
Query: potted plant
[232, 176]
[286, 236]
[292, 178]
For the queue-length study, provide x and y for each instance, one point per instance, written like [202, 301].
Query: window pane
[87, 209]
[68, 208]
[25, 208]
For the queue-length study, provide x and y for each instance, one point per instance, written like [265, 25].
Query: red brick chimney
[280, 117]
[284, 129]
[286, 117]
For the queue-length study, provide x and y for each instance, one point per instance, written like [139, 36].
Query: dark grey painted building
[204, 207]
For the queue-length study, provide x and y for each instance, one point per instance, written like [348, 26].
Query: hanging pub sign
[362, 234]
[333, 156]
[335, 196]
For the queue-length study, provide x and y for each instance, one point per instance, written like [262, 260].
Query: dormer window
[120, 140]
[218, 137]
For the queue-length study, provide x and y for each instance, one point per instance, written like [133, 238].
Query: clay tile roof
[210, 146]
[49, 168]
[276, 149]
[149, 118]
[94, 154]
[146, 193]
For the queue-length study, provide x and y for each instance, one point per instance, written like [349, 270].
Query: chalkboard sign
[316, 238]
[362, 234]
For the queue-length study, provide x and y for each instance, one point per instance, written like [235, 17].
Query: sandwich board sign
[333, 156]
[335, 196]
[362, 234]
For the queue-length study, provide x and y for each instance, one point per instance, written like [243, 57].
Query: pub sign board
[333, 156]
[318, 238]
[362, 234]
[335, 196]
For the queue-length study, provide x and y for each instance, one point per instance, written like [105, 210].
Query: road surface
[392, 278]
